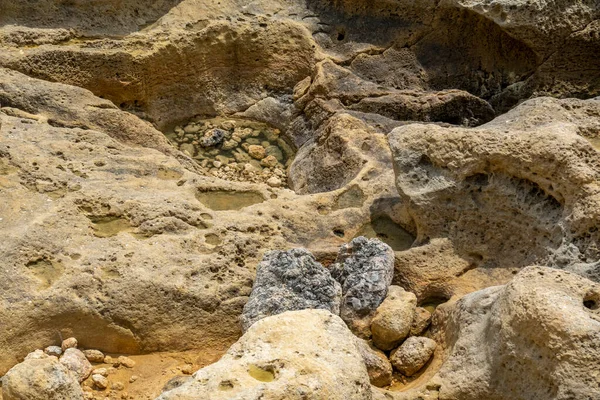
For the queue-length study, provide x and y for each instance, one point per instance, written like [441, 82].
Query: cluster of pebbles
[95, 381]
[236, 149]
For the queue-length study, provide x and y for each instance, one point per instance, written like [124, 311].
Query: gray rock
[53, 351]
[76, 362]
[365, 268]
[287, 281]
[414, 353]
[213, 137]
[40, 379]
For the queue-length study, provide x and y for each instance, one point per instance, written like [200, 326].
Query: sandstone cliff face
[464, 134]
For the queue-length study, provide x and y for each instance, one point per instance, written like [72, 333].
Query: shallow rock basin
[221, 200]
[386, 230]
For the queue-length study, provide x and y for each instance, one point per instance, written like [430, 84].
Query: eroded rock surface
[40, 379]
[285, 356]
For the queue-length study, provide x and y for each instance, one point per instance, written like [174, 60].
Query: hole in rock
[235, 149]
[109, 226]
[220, 200]
[432, 302]
[339, 232]
[46, 271]
[592, 302]
[386, 230]
[265, 374]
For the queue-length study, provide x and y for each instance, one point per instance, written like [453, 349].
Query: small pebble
[117, 386]
[126, 361]
[53, 351]
[100, 381]
[94, 356]
[133, 378]
[100, 371]
[69, 343]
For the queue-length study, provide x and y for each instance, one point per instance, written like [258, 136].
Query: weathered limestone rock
[285, 356]
[290, 280]
[412, 355]
[364, 268]
[76, 363]
[69, 343]
[393, 318]
[463, 183]
[40, 379]
[536, 337]
[377, 363]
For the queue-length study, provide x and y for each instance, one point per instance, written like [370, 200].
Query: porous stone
[393, 318]
[530, 335]
[290, 280]
[364, 268]
[76, 363]
[40, 379]
[277, 359]
[412, 355]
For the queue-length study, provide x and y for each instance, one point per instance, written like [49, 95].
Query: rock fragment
[421, 321]
[393, 318]
[95, 356]
[377, 363]
[100, 381]
[53, 351]
[40, 379]
[126, 362]
[413, 354]
[365, 268]
[290, 280]
[69, 343]
[213, 137]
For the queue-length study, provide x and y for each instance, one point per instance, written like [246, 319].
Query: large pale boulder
[40, 379]
[365, 268]
[536, 337]
[287, 281]
[307, 354]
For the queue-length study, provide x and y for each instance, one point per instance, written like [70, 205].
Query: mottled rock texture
[110, 234]
[364, 268]
[40, 379]
[288, 281]
[519, 190]
[285, 356]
